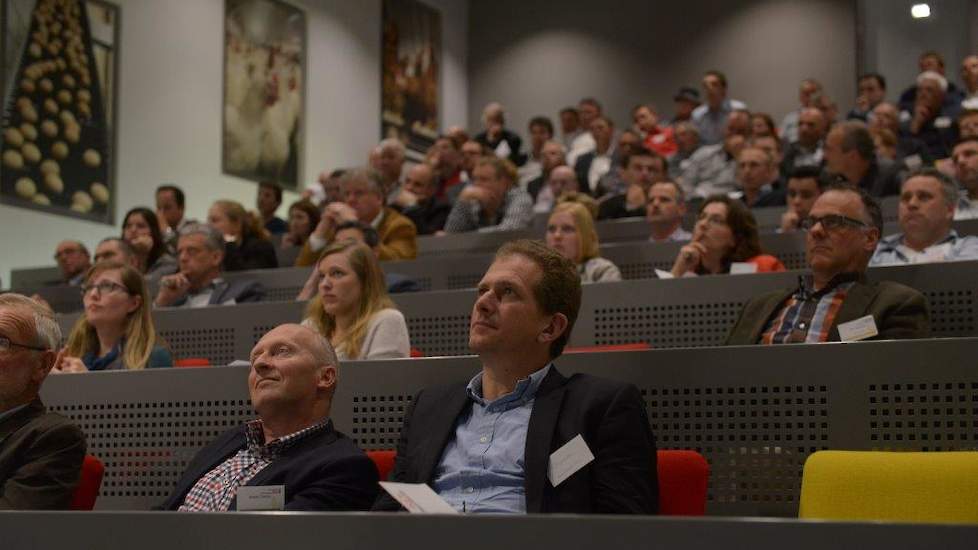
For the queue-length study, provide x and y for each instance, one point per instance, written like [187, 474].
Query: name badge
[261, 497]
[742, 268]
[942, 122]
[859, 329]
[913, 161]
[567, 460]
[417, 498]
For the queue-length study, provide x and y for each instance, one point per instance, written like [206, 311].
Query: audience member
[588, 109]
[245, 240]
[73, 260]
[665, 210]
[807, 149]
[390, 166]
[200, 252]
[772, 146]
[570, 231]
[851, 156]
[492, 202]
[654, 137]
[551, 157]
[360, 233]
[969, 77]
[541, 131]
[910, 151]
[504, 143]
[141, 229]
[363, 201]
[804, 187]
[526, 307]
[757, 179]
[114, 249]
[352, 309]
[687, 142]
[268, 201]
[326, 190]
[116, 331]
[968, 124]
[724, 240]
[808, 90]
[472, 151]
[170, 205]
[303, 218]
[965, 157]
[417, 200]
[871, 92]
[596, 163]
[931, 120]
[458, 135]
[762, 125]
[711, 117]
[686, 100]
[842, 231]
[570, 126]
[930, 61]
[927, 202]
[712, 169]
[640, 170]
[41, 452]
[447, 162]
[562, 180]
[291, 444]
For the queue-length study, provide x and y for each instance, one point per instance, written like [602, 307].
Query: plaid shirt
[216, 490]
[516, 212]
[807, 316]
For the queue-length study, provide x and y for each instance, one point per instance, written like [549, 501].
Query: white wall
[170, 94]
[538, 57]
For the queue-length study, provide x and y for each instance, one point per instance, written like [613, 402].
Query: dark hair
[159, 246]
[768, 121]
[592, 102]
[338, 173]
[855, 135]
[742, 224]
[870, 205]
[370, 236]
[125, 246]
[949, 188]
[935, 55]
[965, 113]
[274, 187]
[641, 152]
[542, 121]
[559, 289]
[969, 139]
[808, 172]
[880, 79]
[720, 76]
[569, 110]
[177, 193]
[310, 209]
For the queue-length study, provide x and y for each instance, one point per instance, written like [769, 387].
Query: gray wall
[536, 57]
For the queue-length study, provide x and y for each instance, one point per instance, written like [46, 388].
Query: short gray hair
[368, 175]
[46, 332]
[948, 187]
[212, 237]
[391, 143]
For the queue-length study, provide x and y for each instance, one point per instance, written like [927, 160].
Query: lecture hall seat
[89, 483]
[192, 362]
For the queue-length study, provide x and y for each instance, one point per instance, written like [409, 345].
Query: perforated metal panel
[282, 294]
[793, 260]
[215, 344]
[643, 270]
[665, 326]
[376, 420]
[952, 312]
[926, 416]
[466, 280]
[440, 335]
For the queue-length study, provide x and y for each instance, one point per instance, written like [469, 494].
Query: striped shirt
[808, 316]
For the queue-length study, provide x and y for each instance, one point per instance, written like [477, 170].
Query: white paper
[261, 497]
[913, 161]
[417, 498]
[568, 459]
[662, 274]
[942, 122]
[742, 268]
[502, 150]
[859, 329]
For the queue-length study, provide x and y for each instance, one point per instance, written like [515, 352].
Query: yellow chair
[923, 487]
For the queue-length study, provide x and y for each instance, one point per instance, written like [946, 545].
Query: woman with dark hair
[303, 218]
[724, 241]
[761, 125]
[141, 229]
[246, 243]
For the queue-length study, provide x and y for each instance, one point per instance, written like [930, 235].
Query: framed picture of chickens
[411, 74]
[264, 91]
[58, 84]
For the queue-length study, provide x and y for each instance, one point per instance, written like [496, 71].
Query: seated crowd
[475, 443]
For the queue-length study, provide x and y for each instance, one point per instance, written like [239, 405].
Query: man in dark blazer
[41, 453]
[488, 446]
[843, 229]
[291, 444]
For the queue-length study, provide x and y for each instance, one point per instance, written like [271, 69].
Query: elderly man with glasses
[836, 302]
[73, 261]
[41, 453]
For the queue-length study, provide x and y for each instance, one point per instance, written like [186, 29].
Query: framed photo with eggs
[58, 67]
[264, 91]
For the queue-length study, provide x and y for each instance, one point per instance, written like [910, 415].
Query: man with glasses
[114, 249]
[41, 453]
[835, 302]
[73, 261]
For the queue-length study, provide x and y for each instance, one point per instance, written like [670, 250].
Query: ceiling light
[920, 11]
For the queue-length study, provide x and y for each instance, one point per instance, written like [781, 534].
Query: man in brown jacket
[836, 302]
[41, 453]
[363, 201]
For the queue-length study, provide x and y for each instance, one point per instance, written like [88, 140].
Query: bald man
[292, 444]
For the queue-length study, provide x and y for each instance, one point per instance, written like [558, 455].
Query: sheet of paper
[568, 459]
[663, 274]
[418, 498]
[858, 329]
[741, 268]
[261, 497]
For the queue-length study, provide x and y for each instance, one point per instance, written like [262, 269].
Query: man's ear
[872, 239]
[554, 329]
[327, 378]
[47, 361]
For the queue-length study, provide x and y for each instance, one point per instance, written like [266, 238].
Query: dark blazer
[610, 416]
[253, 253]
[581, 169]
[900, 312]
[241, 290]
[41, 456]
[324, 471]
[617, 207]
[514, 141]
[429, 216]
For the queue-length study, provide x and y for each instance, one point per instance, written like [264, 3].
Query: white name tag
[913, 161]
[568, 459]
[662, 274]
[742, 268]
[859, 329]
[942, 122]
[417, 498]
[261, 497]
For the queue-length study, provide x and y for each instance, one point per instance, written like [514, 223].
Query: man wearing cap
[686, 99]
[931, 120]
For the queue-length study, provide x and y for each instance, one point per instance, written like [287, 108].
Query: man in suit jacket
[41, 453]
[200, 252]
[487, 446]
[291, 444]
[843, 229]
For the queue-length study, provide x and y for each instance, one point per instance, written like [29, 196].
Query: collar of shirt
[8, 413]
[893, 241]
[375, 223]
[525, 390]
[255, 437]
[806, 284]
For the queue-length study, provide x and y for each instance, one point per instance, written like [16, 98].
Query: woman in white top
[571, 232]
[352, 308]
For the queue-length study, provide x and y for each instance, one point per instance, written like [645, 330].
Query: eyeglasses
[831, 222]
[6, 344]
[103, 288]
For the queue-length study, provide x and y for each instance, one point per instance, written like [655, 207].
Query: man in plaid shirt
[291, 447]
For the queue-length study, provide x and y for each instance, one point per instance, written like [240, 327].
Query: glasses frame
[85, 289]
[7, 343]
[838, 222]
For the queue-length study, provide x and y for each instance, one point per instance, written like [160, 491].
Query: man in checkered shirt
[291, 447]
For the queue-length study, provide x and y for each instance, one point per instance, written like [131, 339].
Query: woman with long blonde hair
[570, 231]
[247, 244]
[116, 331]
[352, 308]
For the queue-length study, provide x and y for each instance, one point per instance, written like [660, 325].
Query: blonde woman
[352, 308]
[570, 231]
[116, 331]
[247, 244]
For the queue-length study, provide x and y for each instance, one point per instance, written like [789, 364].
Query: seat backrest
[637, 346]
[89, 483]
[192, 362]
[384, 461]
[683, 477]
[930, 487]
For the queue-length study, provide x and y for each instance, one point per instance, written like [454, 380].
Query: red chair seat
[613, 347]
[384, 461]
[89, 483]
[192, 362]
[683, 478]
